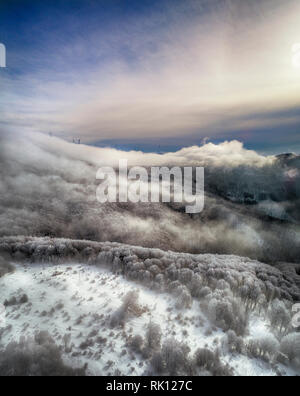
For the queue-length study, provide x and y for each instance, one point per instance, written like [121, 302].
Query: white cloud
[229, 71]
[48, 187]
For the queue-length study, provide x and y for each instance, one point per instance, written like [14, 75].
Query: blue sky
[154, 75]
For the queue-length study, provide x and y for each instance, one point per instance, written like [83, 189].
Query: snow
[78, 290]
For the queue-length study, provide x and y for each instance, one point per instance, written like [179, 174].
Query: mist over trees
[48, 188]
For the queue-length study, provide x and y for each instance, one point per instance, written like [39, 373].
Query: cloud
[48, 188]
[165, 76]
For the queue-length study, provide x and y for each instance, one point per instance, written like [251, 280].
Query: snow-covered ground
[75, 303]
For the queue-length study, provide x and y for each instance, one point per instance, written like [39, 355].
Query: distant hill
[289, 159]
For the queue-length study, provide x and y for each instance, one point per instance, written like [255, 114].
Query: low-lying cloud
[48, 188]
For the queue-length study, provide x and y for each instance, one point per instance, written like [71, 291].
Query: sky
[153, 75]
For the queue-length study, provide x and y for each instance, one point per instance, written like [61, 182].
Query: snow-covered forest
[125, 289]
[77, 307]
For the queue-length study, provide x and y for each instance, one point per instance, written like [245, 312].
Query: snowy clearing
[74, 303]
